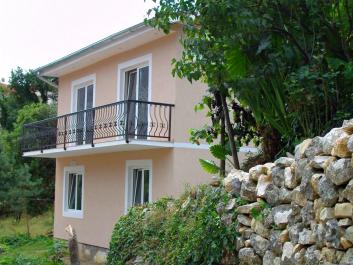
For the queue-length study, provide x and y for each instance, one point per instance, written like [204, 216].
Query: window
[73, 192]
[83, 91]
[139, 184]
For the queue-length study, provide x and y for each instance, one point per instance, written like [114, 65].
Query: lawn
[16, 248]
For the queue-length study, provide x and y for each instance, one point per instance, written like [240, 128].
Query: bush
[188, 230]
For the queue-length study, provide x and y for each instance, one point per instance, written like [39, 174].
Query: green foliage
[289, 63]
[24, 250]
[188, 230]
[209, 166]
[26, 184]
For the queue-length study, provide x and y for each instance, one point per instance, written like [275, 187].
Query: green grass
[40, 225]
[16, 248]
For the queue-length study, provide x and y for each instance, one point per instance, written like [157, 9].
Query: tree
[288, 63]
[26, 184]
[24, 88]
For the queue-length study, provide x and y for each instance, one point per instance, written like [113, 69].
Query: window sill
[73, 214]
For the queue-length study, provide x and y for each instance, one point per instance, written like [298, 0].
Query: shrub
[188, 230]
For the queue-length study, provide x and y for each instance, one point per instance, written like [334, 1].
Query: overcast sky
[36, 32]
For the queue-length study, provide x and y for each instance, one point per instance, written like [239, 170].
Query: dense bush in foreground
[188, 230]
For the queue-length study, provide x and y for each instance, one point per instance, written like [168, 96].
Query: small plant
[57, 252]
[188, 230]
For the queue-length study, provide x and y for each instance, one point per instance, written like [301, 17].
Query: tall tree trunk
[222, 163]
[230, 132]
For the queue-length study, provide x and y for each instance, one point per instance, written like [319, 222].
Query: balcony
[123, 125]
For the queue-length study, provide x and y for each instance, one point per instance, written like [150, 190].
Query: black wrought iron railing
[128, 119]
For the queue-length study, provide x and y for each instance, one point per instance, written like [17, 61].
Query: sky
[36, 32]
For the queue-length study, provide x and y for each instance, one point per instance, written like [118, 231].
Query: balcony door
[136, 88]
[84, 117]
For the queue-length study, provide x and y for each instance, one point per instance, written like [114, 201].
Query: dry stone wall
[298, 210]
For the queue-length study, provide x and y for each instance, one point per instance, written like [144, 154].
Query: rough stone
[322, 162]
[348, 191]
[281, 215]
[345, 243]
[262, 183]
[300, 149]
[239, 243]
[244, 220]
[227, 219]
[232, 183]
[215, 181]
[307, 213]
[284, 236]
[328, 255]
[245, 232]
[248, 191]
[332, 233]
[340, 147]
[327, 214]
[306, 237]
[259, 228]
[350, 143]
[247, 243]
[318, 206]
[294, 231]
[343, 210]
[314, 148]
[288, 251]
[349, 233]
[327, 191]
[290, 180]
[298, 196]
[268, 258]
[347, 258]
[285, 196]
[259, 244]
[247, 256]
[284, 162]
[312, 256]
[278, 176]
[275, 244]
[319, 231]
[340, 171]
[100, 257]
[299, 257]
[246, 209]
[305, 172]
[272, 193]
[315, 182]
[330, 138]
[345, 222]
[231, 205]
[256, 171]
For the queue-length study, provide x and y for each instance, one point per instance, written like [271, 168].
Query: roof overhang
[119, 42]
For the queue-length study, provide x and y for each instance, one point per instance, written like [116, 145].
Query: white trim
[147, 163]
[73, 213]
[74, 86]
[145, 60]
[97, 51]
[121, 145]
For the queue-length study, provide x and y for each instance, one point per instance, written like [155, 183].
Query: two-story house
[121, 135]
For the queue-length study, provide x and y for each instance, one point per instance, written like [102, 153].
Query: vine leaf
[209, 166]
[219, 151]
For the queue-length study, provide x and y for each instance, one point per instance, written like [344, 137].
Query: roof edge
[96, 45]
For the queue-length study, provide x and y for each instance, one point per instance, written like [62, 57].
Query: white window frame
[68, 212]
[145, 60]
[78, 83]
[139, 62]
[129, 166]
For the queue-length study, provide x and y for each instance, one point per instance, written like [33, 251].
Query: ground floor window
[73, 192]
[139, 184]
